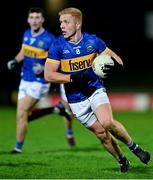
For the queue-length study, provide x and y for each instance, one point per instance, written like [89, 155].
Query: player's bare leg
[68, 125]
[119, 131]
[23, 108]
[123, 135]
[62, 108]
[110, 144]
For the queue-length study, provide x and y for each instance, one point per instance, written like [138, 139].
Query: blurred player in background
[69, 61]
[33, 86]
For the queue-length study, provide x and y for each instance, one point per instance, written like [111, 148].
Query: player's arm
[115, 56]
[103, 49]
[118, 63]
[51, 74]
[20, 56]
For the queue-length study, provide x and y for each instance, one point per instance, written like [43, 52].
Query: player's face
[35, 21]
[68, 25]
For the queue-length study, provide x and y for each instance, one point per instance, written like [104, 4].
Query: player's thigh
[64, 98]
[83, 112]
[101, 107]
[97, 128]
[26, 103]
[62, 93]
[104, 115]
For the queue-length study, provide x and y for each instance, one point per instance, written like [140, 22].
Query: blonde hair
[74, 12]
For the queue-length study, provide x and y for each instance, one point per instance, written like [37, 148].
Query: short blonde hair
[73, 11]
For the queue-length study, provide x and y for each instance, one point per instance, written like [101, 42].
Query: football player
[33, 86]
[69, 61]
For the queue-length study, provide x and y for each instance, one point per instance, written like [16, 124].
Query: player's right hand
[80, 77]
[12, 64]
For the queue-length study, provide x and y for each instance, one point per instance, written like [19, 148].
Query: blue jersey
[74, 58]
[35, 49]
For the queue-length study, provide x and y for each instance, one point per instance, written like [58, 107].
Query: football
[100, 63]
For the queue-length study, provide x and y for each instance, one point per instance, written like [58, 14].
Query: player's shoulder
[48, 37]
[57, 44]
[27, 31]
[59, 40]
[49, 34]
[89, 36]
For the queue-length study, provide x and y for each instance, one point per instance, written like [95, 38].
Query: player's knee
[107, 123]
[21, 114]
[101, 134]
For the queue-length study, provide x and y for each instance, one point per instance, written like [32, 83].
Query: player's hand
[11, 65]
[38, 70]
[80, 77]
[40, 75]
[109, 69]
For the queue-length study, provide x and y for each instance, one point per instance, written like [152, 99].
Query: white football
[99, 63]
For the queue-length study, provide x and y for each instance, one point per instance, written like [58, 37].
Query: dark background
[121, 24]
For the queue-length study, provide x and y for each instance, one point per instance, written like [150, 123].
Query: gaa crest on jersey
[40, 43]
[89, 47]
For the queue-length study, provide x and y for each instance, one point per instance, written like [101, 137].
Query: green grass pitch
[46, 154]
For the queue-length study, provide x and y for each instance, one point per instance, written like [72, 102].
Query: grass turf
[46, 154]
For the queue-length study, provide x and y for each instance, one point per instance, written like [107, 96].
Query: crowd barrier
[119, 101]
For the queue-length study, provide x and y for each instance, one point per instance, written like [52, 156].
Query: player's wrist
[79, 77]
[70, 80]
[15, 60]
[73, 77]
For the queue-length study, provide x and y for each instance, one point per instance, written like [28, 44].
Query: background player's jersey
[74, 58]
[35, 50]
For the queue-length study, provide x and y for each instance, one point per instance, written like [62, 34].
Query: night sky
[119, 23]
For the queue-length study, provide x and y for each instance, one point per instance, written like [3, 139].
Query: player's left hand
[11, 65]
[109, 69]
